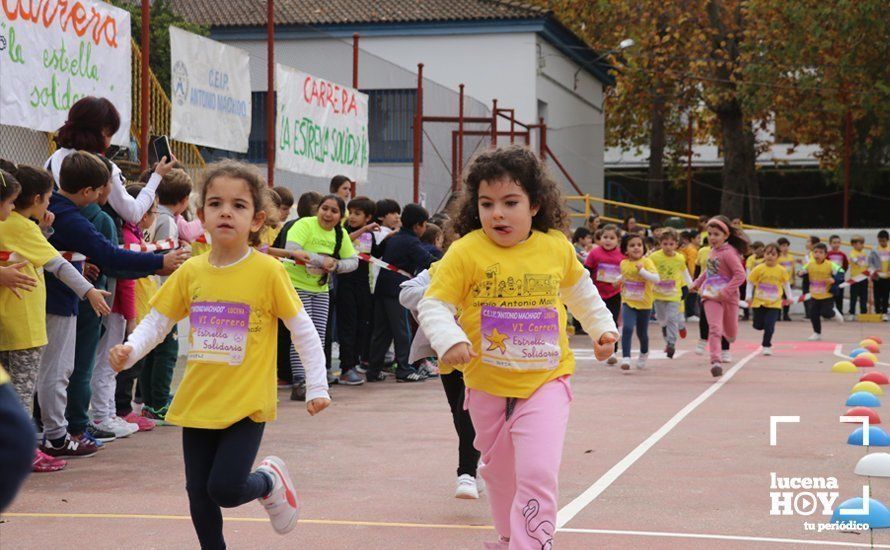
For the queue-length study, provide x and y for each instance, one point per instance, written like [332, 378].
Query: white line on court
[721, 537]
[572, 509]
[838, 353]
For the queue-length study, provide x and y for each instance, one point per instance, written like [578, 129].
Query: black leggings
[123, 391]
[218, 474]
[765, 319]
[613, 304]
[468, 456]
[704, 330]
[820, 308]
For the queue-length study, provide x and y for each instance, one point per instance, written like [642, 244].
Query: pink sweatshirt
[726, 273]
[125, 291]
[604, 264]
[189, 231]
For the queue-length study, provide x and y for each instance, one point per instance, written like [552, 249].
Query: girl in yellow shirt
[233, 297]
[511, 340]
[769, 282]
[638, 276]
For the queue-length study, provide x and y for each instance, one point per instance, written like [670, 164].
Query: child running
[821, 274]
[720, 284]
[673, 276]
[638, 275]
[604, 264]
[511, 340]
[769, 282]
[233, 296]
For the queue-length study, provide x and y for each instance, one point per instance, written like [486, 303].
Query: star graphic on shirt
[496, 339]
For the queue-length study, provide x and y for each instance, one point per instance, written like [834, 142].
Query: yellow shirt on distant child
[670, 271]
[690, 251]
[884, 255]
[787, 262]
[821, 278]
[145, 288]
[636, 291]
[769, 284]
[858, 262]
[752, 262]
[233, 338]
[23, 320]
[510, 308]
[702, 258]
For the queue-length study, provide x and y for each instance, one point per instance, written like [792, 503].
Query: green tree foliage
[162, 18]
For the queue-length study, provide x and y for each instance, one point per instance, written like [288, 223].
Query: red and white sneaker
[44, 463]
[281, 503]
[145, 424]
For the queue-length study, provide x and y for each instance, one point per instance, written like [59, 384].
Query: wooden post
[460, 139]
[418, 131]
[270, 91]
[144, 84]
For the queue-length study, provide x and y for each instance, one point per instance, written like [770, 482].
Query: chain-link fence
[23, 146]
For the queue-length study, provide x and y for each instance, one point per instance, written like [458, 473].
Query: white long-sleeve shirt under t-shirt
[128, 208]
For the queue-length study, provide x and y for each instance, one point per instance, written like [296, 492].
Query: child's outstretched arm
[586, 305]
[307, 343]
[71, 277]
[413, 290]
[150, 332]
[446, 337]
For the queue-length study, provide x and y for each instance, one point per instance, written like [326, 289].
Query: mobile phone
[161, 146]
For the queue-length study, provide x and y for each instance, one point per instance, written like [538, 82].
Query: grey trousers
[668, 314]
[56, 366]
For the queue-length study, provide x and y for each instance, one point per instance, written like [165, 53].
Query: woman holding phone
[92, 121]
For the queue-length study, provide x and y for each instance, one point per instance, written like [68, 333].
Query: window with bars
[390, 126]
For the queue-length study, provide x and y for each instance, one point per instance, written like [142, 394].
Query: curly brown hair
[518, 163]
[237, 170]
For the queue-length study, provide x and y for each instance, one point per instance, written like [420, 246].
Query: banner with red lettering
[322, 127]
[53, 52]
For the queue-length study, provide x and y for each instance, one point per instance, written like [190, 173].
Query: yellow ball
[869, 387]
[844, 366]
[870, 355]
[866, 342]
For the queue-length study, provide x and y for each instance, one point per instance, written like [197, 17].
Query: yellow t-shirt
[23, 321]
[268, 235]
[858, 262]
[884, 255]
[510, 308]
[201, 245]
[752, 262]
[702, 259]
[821, 278]
[690, 251]
[636, 291]
[787, 262]
[4, 377]
[233, 338]
[670, 271]
[769, 284]
[145, 288]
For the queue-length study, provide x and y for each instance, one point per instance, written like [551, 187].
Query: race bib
[667, 289]
[608, 273]
[520, 339]
[836, 258]
[633, 291]
[818, 287]
[789, 266]
[714, 286]
[218, 332]
[767, 292]
[859, 260]
[884, 255]
[363, 243]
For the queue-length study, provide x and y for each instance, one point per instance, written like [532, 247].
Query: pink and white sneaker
[145, 424]
[281, 503]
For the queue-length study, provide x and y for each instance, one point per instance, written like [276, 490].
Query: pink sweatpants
[520, 461]
[723, 321]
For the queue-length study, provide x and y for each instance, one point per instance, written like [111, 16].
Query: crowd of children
[96, 276]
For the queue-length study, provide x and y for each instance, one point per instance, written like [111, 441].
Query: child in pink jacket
[719, 285]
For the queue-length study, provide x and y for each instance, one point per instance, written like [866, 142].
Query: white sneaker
[700, 347]
[884, 317]
[767, 351]
[466, 487]
[281, 503]
[814, 337]
[625, 363]
[641, 361]
[612, 359]
[117, 426]
[693, 319]
[725, 357]
[838, 316]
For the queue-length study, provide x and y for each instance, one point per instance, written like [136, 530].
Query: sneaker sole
[345, 383]
[284, 473]
[466, 495]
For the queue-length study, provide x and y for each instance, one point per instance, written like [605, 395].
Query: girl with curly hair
[509, 276]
